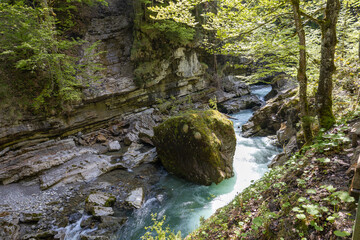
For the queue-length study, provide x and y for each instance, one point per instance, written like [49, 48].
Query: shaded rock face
[198, 146]
[278, 113]
[237, 104]
[233, 86]
[280, 84]
[235, 95]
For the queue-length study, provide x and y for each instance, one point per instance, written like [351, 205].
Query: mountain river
[184, 203]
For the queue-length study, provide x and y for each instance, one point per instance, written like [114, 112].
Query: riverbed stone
[236, 104]
[136, 198]
[281, 84]
[233, 85]
[111, 223]
[101, 199]
[204, 153]
[114, 146]
[28, 217]
[98, 211]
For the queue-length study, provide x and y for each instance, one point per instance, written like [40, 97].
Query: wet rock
[231, 84]
[237, 104]
[114, 146]
[40, 235]
[138, 154]
[95, 237]
[28, 217]
[98, 211]
[281, 84]
[74, 217]
[289, 149]
[278, 160]
[136, 198]
[268, 119]
[86, 222]
[111, 223]
[204, 159]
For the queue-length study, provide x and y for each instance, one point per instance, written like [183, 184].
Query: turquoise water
[183, 203]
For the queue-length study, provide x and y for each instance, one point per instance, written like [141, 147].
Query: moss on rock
[197, 145]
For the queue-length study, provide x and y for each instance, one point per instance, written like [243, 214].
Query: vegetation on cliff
[39, 61]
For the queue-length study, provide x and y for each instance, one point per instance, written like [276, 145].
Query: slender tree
[327, 65]
[301, 72]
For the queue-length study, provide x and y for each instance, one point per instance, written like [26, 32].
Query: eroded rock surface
[277, 111]
[198, 146]
[237, 104]
[136, 198]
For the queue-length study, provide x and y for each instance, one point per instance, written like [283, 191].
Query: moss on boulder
[197, 145]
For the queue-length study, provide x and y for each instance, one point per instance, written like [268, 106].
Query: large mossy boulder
[197, 145]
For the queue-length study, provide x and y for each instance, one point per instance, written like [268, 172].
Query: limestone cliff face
[117, 93]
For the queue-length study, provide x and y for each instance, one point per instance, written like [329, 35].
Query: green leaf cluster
[47, 68]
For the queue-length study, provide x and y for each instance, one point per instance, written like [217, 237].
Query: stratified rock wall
[116, 93]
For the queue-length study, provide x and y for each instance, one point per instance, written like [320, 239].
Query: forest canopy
[292, 36]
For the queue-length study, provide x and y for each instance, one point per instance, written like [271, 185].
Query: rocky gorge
[99, 157]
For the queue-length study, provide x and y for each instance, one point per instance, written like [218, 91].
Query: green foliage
[158, 232]
[32, 45]
[341, 233]
[175, 32]
[303, 203]
[213, 103]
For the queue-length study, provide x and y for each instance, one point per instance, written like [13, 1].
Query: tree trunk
[327, 67]
[301, 73]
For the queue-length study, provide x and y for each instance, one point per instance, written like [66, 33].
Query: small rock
[136, 198]
[101, 138]
[114, 146]
[27, 217]
[101, 199]
[130, 138]
[86, 222]
[98, 211]
[109, 222]
[114, 129]
[74, 217]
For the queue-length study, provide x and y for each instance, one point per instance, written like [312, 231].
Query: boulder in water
[197, 145]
